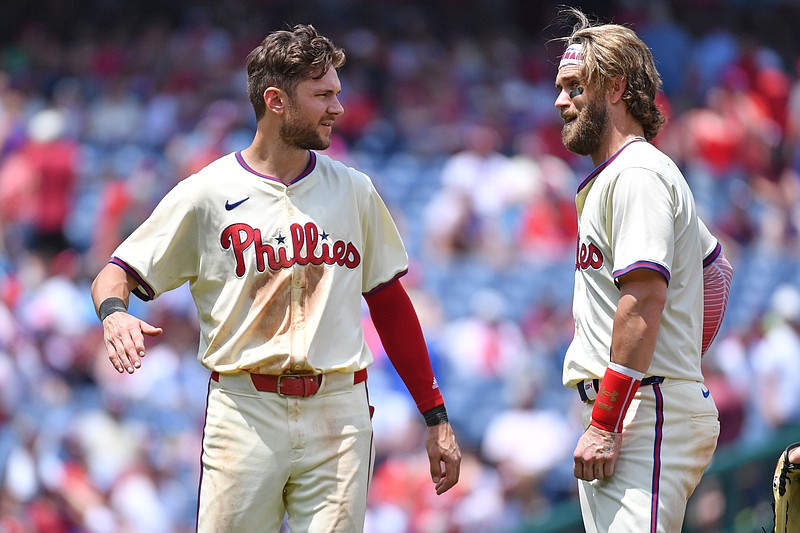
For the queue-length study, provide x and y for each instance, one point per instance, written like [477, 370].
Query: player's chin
[568, 134]
[318, 143]
[325, 142]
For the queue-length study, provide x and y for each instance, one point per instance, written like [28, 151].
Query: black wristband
[110, 306]
[435, 416]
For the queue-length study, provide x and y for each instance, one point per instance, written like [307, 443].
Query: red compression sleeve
[716, 289]
[398, 327]
[613, 399]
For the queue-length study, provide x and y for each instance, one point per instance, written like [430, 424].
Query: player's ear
[616, 88]
[274, 99]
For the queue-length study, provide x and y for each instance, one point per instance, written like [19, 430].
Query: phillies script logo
[587, 256]
[305, 245]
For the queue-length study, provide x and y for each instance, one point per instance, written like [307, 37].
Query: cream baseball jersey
[710, 245]
[277, 272]
[636, 210]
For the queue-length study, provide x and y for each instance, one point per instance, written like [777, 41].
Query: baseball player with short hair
[278, 245]
[651, 425]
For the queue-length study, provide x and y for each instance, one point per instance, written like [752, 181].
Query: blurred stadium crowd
[102, 111]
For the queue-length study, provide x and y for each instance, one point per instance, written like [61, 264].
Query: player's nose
[336, 108]
[563, 99]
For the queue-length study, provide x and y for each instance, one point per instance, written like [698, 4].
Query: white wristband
[631, 373]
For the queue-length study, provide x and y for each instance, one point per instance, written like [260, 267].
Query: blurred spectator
[483, 352]
[526, 443]
[730, 401]
[461, 217]
[776, 361]
[37, 182]
[540, 188]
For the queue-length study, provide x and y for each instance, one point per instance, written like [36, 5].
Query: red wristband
[613, 399]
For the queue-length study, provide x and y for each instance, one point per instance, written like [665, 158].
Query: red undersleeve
[398, 326]
[716, 289]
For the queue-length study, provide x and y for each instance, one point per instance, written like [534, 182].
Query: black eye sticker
[576, 92]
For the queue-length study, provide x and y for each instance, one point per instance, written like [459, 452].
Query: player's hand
[444, 456]
[794, 455]
[124, 337]
[596, 454]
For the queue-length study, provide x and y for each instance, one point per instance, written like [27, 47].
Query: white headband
[573, 55]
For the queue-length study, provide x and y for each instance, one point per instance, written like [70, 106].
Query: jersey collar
[583, 188]
[312, 163]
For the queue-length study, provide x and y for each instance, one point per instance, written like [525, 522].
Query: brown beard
[584, 135]
[299, 134]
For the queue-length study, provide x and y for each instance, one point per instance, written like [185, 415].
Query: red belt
[303, 385]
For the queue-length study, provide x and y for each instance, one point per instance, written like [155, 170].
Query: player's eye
[577, 91]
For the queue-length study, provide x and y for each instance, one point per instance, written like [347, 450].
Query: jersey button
[291, 212]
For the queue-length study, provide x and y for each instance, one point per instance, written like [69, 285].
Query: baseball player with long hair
[278, 245]
[635, 360]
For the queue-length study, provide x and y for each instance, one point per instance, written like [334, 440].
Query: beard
[584, 135]
[298, 133]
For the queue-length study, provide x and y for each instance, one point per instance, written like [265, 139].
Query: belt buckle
[305, 379]
[587, 389]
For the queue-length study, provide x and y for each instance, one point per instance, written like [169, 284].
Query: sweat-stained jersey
[277, 272]
[636, 210]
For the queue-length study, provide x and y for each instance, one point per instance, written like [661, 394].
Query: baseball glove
[786, 489]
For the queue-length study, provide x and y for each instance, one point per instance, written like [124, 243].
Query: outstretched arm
[401, 335]
[123, 333]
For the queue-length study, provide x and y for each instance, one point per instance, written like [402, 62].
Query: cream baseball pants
[266, 455]
[668, 437]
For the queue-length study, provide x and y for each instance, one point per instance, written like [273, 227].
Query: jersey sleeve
[641, 215]
[711, 246]
[385, 258]
[162, 253]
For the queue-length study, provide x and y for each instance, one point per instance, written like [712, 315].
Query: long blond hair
[611, 51]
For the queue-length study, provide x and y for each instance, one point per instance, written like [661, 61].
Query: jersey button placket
[290, 210]
[298, 316]
[298, 285]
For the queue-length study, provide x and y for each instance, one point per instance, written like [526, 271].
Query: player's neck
[616, 138]
[276, 160]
